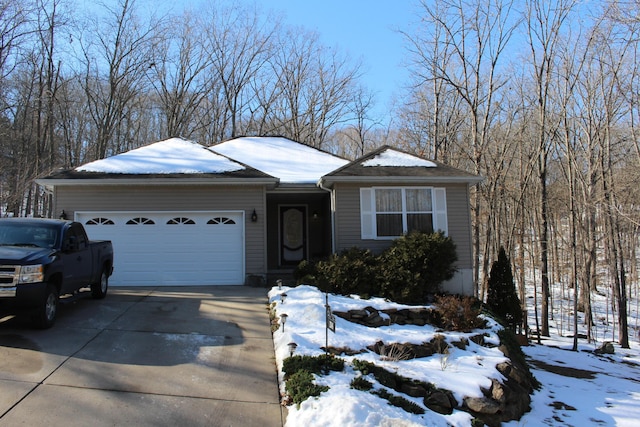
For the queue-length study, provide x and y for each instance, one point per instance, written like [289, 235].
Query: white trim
[367, 214]
[439, 206]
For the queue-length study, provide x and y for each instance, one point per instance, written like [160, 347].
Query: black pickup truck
[42, 260]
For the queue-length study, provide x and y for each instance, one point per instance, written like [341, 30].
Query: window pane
[420, 222]
[389, 200]
[418, 200]
[389, 225]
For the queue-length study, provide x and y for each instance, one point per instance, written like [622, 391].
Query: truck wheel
[45, 315]
[99, 289]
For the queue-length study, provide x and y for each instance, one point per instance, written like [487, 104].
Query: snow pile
[392, 157]
[608, 395]
[174, 155]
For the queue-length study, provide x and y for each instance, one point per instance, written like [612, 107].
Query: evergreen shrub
[352, 271]
[415, 265]
[300, 387]
[502, 299]
[313, 364]
[409, 271]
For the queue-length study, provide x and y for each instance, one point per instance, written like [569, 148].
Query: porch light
[254, 216]
[63, 215]
[292, 348]
[283, 320]
[283, 296]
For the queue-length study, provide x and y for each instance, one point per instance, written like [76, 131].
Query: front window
[388, 204]
[402, 210]
[390, 212]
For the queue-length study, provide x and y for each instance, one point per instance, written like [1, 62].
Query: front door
[293, 234]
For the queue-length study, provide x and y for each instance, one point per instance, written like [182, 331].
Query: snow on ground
[600, 390]
[174, 155]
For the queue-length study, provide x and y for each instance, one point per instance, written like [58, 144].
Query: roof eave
[53, 182]
[331, 180]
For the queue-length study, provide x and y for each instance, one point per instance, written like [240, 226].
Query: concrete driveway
[188, 356]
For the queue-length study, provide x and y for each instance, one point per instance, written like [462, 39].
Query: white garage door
[171, 248]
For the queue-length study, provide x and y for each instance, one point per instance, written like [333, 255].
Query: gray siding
[347, 221]
[176, 198]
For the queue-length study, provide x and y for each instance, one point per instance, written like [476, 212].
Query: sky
[366, 29]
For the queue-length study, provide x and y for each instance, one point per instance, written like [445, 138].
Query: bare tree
[238, 44]
[179, 75]
[116, 59]
[316, 88]
[545, 20]
[15, 26]
[470, 38]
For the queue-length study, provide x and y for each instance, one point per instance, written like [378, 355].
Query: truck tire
[99, 289]
[46, 312]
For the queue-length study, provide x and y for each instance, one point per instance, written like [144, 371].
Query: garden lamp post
[292, 348]
[283, 319]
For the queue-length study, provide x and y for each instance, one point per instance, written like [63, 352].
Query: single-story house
[248, 210]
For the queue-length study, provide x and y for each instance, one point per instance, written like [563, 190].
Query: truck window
[75, 238]
[27, 234]
[81, 237]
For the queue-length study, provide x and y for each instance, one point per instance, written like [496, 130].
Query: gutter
[471, 180]
[168, 181]
[333, 214]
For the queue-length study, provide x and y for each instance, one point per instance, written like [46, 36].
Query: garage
[171, 248]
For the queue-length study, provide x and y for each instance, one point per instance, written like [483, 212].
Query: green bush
[385, 377]
[313, 364]
[408, 271]
[359, 383]
[502, 298]
[400, 402]
[353, 271]
[305, 272]
[300, 387]
[415, 265]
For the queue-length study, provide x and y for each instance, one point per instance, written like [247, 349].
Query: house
[250, 209]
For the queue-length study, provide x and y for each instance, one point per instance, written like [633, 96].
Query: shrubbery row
[409, 271]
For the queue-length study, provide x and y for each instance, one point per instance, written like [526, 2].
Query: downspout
[333, 213]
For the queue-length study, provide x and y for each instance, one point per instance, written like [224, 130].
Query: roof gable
[290, 161]
[390, 157]
[389, 164]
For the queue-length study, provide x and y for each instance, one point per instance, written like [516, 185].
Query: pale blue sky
[367, 29]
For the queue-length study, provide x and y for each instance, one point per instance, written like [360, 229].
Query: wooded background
[541, 98]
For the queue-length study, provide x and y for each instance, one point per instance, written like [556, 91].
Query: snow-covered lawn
[600, 390]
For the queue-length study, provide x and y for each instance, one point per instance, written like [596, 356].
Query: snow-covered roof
[276, 159]
[391, 157]
[387, 164]
[292, 162]
[171, 156]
